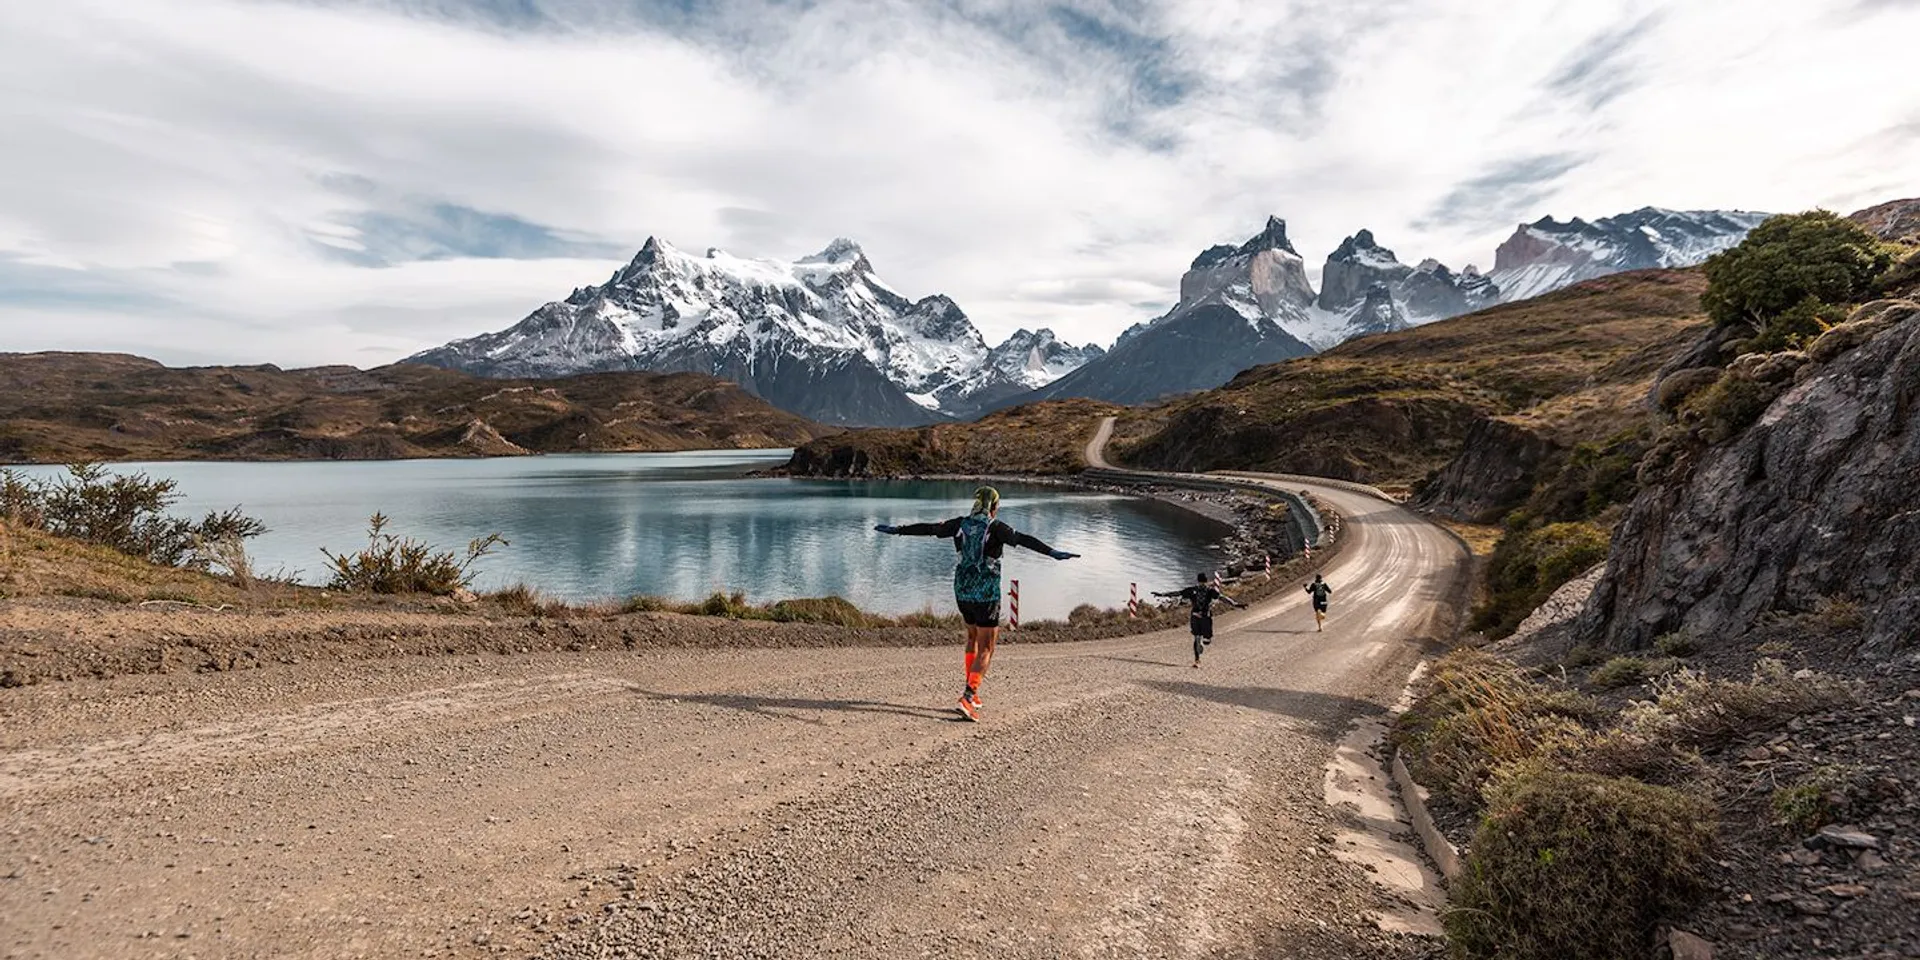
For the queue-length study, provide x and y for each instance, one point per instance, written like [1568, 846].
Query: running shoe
[967, 710]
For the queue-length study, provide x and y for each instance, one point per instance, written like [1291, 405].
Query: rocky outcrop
[1495, 472]
[1894, 220]
[1815, 500]
[1356, 266]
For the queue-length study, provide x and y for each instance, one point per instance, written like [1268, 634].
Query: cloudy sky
[348, 181]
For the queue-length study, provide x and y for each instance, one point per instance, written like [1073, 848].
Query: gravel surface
[748, 802]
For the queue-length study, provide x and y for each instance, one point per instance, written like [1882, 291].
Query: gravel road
[1114, 802]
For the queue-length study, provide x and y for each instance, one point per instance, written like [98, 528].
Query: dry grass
[34, 563]
[1480, 538]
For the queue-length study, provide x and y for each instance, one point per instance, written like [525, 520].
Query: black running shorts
[981, 613]
[1202, 626]
[1320, 606]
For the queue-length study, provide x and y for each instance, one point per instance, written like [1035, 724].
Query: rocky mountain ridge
[822, 336]
[1243, 305]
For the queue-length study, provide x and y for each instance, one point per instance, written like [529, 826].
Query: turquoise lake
[682, 525]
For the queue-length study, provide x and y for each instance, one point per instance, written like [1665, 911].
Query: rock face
[1894, 220]
[822, 336]
[1547, 254]
[1356, 265]
[1815, 500]
[1494, 473]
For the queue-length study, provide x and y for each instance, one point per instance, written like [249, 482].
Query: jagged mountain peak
[1271, 237]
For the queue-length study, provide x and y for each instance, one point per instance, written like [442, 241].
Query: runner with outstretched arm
[1201, 595]
[979, 538]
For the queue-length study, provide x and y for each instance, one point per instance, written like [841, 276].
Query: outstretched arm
[1009, 535]
[945, 528]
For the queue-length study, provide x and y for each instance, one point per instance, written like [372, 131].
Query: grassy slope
[1570, 365]
[1041, 438]
[68, 406]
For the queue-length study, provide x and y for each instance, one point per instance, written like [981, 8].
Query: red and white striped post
[1013, 605]
[1216, 580]
[1133, 601]
[1307, 551]
[1266, 566]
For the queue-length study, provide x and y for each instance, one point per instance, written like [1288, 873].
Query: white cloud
[183, 178]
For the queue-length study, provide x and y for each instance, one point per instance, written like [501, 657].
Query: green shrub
[1679, 643]
[1899, 280]
[126, 512]
[1581, 657]
[1722, 411]
[1800, 325]
[1528, 565]
[832, 610]
[645, 603]
[1619, 672]
[733, 606]
[1573, 866]
[1789, 259]
[393, 564]
[1812, 801]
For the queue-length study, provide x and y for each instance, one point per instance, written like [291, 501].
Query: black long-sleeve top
[1201, 596]
[999, 534]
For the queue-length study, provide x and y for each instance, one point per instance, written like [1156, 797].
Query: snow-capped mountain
[1546, 255]
[1027, 361]
[822, 336]
[1245, 305]
[1234, 304]
[1365, 289]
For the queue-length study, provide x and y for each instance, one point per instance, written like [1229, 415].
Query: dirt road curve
[1115, 802]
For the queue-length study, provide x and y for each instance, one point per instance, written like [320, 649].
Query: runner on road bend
[1320, 590]
[979, 538]
[1201, 595]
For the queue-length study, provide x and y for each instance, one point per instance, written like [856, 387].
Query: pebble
[1846, 836]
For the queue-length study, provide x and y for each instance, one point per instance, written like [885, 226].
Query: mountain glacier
[822, 336]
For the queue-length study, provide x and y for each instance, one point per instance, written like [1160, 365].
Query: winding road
[1114, 802]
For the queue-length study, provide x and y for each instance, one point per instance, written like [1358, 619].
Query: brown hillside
[1570, 366]
[1040, 438]
[71, 406]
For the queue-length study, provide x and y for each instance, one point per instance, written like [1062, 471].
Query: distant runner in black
[1319, 590]
[979, 538]
[1201, 595]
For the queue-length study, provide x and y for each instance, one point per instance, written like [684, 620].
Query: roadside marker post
[1266, 566]
[1013, 605]
[1133, 601]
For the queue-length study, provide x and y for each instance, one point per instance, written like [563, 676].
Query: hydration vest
[976, 576]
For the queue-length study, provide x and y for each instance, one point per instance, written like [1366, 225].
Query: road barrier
[1305, 529]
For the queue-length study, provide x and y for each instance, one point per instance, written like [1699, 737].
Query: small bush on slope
[1573, 866]
[394, 564]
